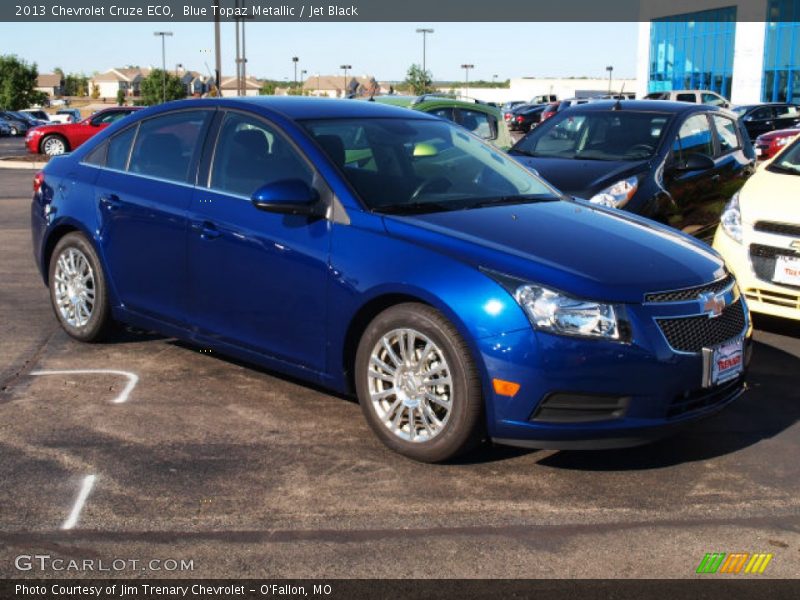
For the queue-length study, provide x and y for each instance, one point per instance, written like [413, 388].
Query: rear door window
[694, 137]
[762, 114]
[786, 112]
[479, 123]
[726, 134]
[166, 145]
[686, 98]
[119, 148]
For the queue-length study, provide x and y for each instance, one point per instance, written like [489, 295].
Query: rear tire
[78, 290]
[417, 384]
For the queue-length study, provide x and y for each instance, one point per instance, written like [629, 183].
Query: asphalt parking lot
[12, 146]
[182, 455]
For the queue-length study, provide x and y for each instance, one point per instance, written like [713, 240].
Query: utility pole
[424, 31]
[345, 67]
[164, 35]
[217, 51]
[244, 53]
[610, 70]
[295, 60]
[466, 68]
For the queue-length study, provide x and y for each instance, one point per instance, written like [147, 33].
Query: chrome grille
[778, 228]
[692, 334]
[692, 293]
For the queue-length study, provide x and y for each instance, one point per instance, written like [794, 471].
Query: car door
[691, 190]
[143, 198]
[258, 279]
[731, 167]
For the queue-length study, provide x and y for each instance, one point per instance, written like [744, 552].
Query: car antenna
[618, 105]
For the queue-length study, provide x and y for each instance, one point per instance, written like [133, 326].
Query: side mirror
[288, 197]
[696, 162]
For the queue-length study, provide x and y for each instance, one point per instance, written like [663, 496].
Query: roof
[48, 80]
[229, 83]
[336, 82]
[306, 107]
[664, 106]
[127, 74]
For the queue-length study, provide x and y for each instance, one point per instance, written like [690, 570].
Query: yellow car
[759, 236]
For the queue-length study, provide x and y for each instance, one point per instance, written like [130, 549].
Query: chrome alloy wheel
[74, 287]
[54, 146]
[410, 385]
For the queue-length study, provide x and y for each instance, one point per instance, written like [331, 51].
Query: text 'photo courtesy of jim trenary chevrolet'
[399, 299]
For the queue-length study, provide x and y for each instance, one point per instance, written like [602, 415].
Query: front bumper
[627, 393]
[763, 296]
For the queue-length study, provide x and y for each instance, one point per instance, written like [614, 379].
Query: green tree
[153, 88]
[121, 97]
[418, 80]
[267, 88]
[75, 84]
[95, 91]
[18, 84]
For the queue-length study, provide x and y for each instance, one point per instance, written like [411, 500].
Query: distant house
[336, 86]
[129, 80]
[228, 87]
[51, 84]
[195, 82]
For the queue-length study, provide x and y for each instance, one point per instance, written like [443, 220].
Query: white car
[36, 113]
[759, 236]
[695, 96]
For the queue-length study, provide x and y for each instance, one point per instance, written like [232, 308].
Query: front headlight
[731, 219]
[617, 195]
[558, 313]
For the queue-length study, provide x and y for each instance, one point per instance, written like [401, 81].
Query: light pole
[295, 60]
[164, 35]
[178, 67]
[610, 70]
[466, 68]
[424, 31]
[494, 79]
[345, 67]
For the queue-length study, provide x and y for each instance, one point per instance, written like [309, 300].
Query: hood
[586, 251]
[769, 196]
[582, 178]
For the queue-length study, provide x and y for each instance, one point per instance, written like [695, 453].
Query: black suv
[763, 118]
[675, 162]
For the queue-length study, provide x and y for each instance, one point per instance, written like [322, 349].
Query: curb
[21, 164]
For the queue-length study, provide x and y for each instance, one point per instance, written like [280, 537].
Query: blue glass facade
[782, 52]
[693, 51]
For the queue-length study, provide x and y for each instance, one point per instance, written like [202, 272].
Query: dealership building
[745, 50]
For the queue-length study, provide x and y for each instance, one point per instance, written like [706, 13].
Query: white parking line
[133, 379]
[86, 488]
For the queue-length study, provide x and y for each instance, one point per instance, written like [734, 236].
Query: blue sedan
[392, 254]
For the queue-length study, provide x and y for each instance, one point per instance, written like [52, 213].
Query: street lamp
[295, 60]
[494, 78]
[424, 31]
[466, 68]
[345, 67]
[164, 35]
[610, 70]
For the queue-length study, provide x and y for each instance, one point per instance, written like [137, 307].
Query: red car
[769, 144]
[549, 111]
[60, 138]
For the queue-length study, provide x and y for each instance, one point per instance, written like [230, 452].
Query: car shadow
[770, 324]
[770, 406]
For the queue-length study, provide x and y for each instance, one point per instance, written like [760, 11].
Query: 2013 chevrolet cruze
[364, 247]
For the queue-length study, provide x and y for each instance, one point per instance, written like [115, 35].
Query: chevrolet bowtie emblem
[713, 304]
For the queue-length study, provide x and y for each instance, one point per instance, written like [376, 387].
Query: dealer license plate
[787, 270]
[727, 361]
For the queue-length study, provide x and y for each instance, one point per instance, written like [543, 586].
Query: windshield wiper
[780, 169]
[415, 208]
[506, 200]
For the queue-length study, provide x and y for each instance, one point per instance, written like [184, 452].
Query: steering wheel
[641, 148]
[436, 184]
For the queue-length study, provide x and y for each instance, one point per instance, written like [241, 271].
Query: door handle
[715, 178]
[110, 201]
[206, 229]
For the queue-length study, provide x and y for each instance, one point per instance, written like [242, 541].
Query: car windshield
[788, 161]
[423, 165]
[613, 135]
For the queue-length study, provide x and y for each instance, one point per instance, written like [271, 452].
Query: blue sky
[384, 50]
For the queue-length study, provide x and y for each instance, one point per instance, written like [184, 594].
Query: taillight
[38, 181]
[508, 116]
[520, 118]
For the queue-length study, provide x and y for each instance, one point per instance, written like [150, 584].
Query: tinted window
[97, 157]
[423, 164]
[479, 123]
[109, 117]
[763, 113]
[726, 133]
[443, 113]
[250, 154]
[686, 98]
[119, 148]
[165, 145]
[597, 135]
[787, 112]
[694, 137]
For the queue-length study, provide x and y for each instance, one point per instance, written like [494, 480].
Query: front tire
[53, 145]
[417, 384]
[78, 290]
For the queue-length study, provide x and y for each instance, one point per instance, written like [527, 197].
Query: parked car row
[57, 138]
